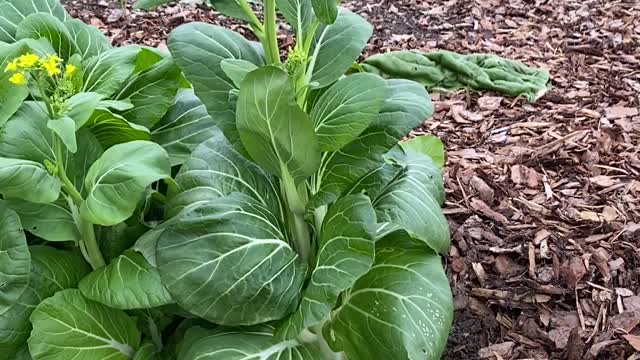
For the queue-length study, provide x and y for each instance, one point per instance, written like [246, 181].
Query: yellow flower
[69, 70]
[12, 66]
[28, 61]
[18, 79]
[50, 65]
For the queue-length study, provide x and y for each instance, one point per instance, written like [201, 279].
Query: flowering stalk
[45, 71]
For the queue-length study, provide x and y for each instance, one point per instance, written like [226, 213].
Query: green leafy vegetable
[128, 282]
[69, 326]
[116, 181]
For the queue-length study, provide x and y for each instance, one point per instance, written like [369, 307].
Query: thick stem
[297, 205]
[270, 42]
[303, 238]
[89, 246]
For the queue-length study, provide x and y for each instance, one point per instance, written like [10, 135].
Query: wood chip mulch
[543, 198]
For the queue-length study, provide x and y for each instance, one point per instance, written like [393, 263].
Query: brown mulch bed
[543, 198]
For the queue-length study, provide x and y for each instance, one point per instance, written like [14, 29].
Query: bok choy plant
[216, 202]
[304, 230]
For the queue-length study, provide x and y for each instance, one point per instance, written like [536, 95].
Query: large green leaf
[26, 136]
[409, 197]
[326, 10]
[52, 270]
[407, 106]
[227, 261]
[151, 92]
[199, 49]
[252, 344]
[116, 182]
[106, 72]
[346, 252]
[215, 169]
[89, 40]
[12, 12]
[401, 309]
[298, 13]
[337, 46]
[274, 130]
[68, 326]
[11, 95]
[15, 259]
[128, 282]
[27, 180]
[346, 109]
[43, 25]
[185, 125]
[51, 222]
[111, 129]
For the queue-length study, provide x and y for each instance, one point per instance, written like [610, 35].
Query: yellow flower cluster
[50, 64]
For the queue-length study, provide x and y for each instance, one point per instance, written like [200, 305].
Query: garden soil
[543, 198]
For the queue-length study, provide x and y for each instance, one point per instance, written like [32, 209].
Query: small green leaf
[14, 11]
[68, 326]
[51, 222]
[111, 129]
[258, 343]
[15, 259]
[429, 145]
[106, 72]
[346, 109]
[274, 130]
[43, 25]
[52, 270]
[228, 261]
[232, 8]
[116, 182]
[151, 92]
[237, 69]
[80, 107]
[128, 282]
[337, 46]
[185, 125]
[401, 309]
[27, 180]
[199, 49]
[88, 39]
[346, 252]
[326, 10]
[65, 128]
[298, 13]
